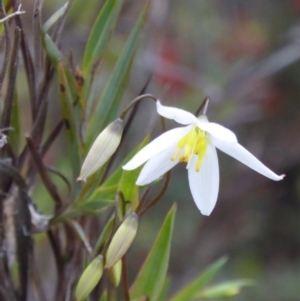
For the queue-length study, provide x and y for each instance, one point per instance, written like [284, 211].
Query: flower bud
[89, 278]
[102, 149]
[122, 239]
[115, 272]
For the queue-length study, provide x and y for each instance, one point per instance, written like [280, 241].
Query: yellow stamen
[195, 142]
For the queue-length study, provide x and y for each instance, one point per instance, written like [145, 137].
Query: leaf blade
[151, 281]
[192, 289]
[108, 99]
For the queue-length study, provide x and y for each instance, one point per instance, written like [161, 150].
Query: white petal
[238, 152]
[218, 131]
[157, 166]
[158, 145]
[180, 116]
[204, 184]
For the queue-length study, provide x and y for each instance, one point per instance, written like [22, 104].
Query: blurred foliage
[64, 80]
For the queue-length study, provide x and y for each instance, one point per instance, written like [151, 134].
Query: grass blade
[192, 289]
[108, 99]
[150, 281]
[99, 37]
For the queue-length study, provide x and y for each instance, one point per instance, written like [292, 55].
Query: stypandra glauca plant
[97, 196]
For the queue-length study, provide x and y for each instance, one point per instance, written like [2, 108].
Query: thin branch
[37, 40]
[7, 45]
[51, 138]
[125, 131]
[5, 122]
[125, 279]
[56, 251]
[27, 63]
[59, 174]
[44, 174]
[81, 234]
[18, 12]
[143, 199]
[158, 197]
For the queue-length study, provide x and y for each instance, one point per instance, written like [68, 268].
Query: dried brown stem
[125, 279]
[158, 197]
[44, 174]
[8, 104]
[7, 44]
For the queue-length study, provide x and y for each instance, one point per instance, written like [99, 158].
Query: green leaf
[127, 183]
[105, 234]
[56, 59]
[224, 290]
[163, 293]
[54, 18]
[108, 100]
[89, 208]
[151, 277]
[192, 289]
[117, 99]
[66, 105]
[52, 50]
[99, 36]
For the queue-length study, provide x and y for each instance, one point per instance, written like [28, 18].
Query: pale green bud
[122, 239]
[89, 278]
[102, 149]
[115, 272]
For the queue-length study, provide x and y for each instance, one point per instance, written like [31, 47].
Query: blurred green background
[244, 55]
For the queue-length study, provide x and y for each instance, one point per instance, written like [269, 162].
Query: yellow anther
[198, 164]
[194, 142]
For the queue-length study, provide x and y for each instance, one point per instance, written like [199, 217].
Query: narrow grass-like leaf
[52, 50]
[107, 101]
[56, 58]
[224, 290]
[164, 291]
[113, 111]
[54, 18]
[96, 33]
[151, 277]
[127, 182]
[105, 234]
[99, 37]
[59, 65]
[192, 289]
[66, 104]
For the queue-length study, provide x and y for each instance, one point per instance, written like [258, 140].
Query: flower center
[195, 142]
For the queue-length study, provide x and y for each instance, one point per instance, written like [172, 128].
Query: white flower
[195, 144]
